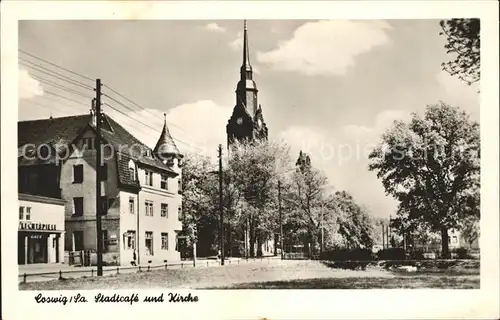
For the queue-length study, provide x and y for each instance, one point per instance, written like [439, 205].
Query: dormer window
[131, 170]
[147, 153]
[88, 143]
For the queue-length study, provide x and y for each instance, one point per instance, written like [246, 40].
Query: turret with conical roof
[165, 148]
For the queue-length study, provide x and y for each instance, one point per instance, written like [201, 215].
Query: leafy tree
[463, 42]
[354, 223]
[431, 165]
[198, 206]
[470, 229]
[256, 168]
[306, 193]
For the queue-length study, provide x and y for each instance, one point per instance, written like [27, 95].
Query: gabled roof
[66, 130]
[51, 131]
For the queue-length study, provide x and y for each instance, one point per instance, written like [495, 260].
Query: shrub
[392, 254]
[462, 253]
[417, 254]
[347, 255]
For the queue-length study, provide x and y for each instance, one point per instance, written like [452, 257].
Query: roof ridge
[52, 119]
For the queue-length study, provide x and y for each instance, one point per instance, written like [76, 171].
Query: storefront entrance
[33, 247]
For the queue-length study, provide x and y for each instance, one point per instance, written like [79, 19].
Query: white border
[271, 304]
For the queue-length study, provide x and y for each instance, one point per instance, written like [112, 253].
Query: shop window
[28, 213]
[78, 240]
[164, 210]
[164, 241]
[149, 243]
[78, 206]
[21, 213]
[78, 173]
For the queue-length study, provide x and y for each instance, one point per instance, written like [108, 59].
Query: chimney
[93, 113]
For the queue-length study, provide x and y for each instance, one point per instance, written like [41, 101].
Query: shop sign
[36, 226]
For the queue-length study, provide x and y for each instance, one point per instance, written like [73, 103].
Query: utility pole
[99, 206]
[221, 208]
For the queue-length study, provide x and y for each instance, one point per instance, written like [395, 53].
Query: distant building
[140, 189]
[41, 230]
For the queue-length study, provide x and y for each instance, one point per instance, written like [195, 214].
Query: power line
[187, 144]
[128, 116]
[61, 87]
[42, 105]
[49, 98]
[55, 65]
[69, 99]
[129, 100]
[58, 75]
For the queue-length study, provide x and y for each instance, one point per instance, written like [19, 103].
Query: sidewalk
[47, 272]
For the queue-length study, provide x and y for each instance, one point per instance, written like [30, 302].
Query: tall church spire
[246, 68]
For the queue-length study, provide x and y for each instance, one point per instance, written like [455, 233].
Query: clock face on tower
[239, 120]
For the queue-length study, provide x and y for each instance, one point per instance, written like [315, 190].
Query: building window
[179, 185]
[164, 241]
[104, 172]
[179, 213]
[164, 210]
[149, 243]
[21, 213]
[78, 173]
[88, 143]
[129, 240]
[78, 240]
[78, 206]
[131, 205]
[164, 182]
[149, 178]
[28, 213]
[149, 208]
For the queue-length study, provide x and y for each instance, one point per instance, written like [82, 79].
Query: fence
[83, 272]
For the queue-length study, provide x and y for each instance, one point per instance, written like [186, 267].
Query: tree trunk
[259, 245]
[445, 254]
[252, 238]
[276, 237]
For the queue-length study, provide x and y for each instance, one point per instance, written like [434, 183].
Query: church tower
[247, 122]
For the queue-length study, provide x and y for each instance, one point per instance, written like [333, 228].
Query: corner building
[140, 187]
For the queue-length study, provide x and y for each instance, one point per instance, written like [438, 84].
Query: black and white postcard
[184, 159]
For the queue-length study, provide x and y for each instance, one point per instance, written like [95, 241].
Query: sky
[328, 87]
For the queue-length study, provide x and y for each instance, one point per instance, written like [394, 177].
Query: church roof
[166, 144]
